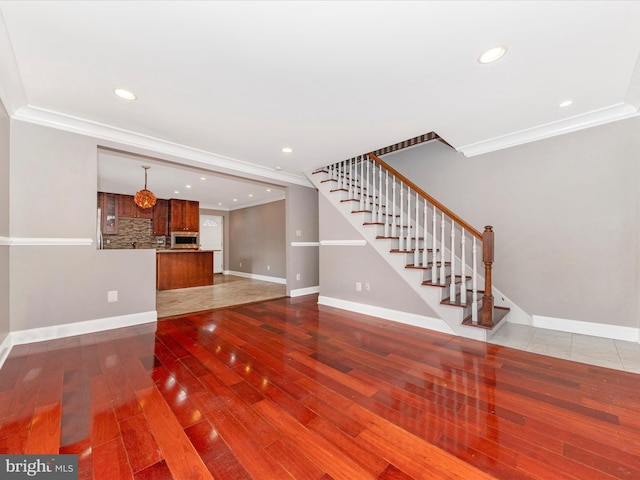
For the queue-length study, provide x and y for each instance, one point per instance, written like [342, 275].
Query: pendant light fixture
[145, 198]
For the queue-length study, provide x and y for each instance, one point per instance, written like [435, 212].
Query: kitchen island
[183, 268]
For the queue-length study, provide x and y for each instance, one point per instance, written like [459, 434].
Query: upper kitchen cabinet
[108, 203]
[129, 209]
[184, 215]
[161, 218]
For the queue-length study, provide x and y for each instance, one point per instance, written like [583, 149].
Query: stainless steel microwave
[184, 240]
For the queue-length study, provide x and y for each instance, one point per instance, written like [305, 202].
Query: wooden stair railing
[377, 188]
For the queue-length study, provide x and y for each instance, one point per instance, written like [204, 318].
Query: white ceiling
[227, 84]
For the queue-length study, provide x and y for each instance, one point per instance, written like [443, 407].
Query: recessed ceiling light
[492, 55]
[188, 186]
[268, 189]
[278, 168]
[235, 199]
[287, 150]
[251, 194]
[203, 178]
[125, 94]
[566, 103]
[219, 203]
[176, 191]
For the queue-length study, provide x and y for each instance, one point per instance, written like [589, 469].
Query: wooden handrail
[424, 194]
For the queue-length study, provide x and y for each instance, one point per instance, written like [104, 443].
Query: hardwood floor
[287, 389]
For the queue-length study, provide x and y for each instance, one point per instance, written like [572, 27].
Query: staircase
[443, 257]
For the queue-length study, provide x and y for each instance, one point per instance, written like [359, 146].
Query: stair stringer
[431, 295]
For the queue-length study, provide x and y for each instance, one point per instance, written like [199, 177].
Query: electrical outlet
[112, 296]
[297, 276]
[367, 287]
[298, 233]
[240, 263]
[358, 287]
[268, 267]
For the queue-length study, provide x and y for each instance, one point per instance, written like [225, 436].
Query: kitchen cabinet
[108, 203]
[161, 218]
[129, 209]
[184, 215]
[183, 269]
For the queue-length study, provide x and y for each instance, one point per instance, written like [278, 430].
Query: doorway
[211, 234]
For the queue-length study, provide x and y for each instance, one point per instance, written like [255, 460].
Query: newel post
[487, 259]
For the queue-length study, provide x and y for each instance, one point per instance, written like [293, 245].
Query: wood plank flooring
[287, 389]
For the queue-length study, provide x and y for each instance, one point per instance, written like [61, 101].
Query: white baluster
[416, 244]
[408, 241]
[401, 226]
[394, 227]
[363, 185]
[452, 289]
[463, 270]
[380, 217]
[367, 199]
[352, 181]
[425, 250]
[387, 203]
[373, 191]
[434, 256]
[443, 280]
[343, 177]
[474, 284]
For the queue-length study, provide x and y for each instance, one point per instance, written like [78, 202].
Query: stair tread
[498, 315]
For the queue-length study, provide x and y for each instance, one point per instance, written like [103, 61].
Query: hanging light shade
[145, 198]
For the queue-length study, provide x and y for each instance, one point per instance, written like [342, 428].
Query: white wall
[53, 179]
[4, 225]
[565, 213]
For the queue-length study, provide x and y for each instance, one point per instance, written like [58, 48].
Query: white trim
[343, 243]
[416, 320]
[298, 292]
[613, 113]
[305, 244]
[253, 276]
[5, 349]
[80, 328]
[615, 332]
[60, 121]
[30, 241]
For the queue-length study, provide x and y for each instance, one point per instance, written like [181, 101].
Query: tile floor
[603, 352]
[226, 290]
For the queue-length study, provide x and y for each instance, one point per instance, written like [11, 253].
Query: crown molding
[613, 113]
[60, 121]
[11, 89]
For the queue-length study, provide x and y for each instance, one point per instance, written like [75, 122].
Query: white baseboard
[5, 349]
[615, 332]
[416, 320]
[79, 328]
[253, 276]
[298, 292]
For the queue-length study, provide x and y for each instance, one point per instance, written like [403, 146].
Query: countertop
[185, 250]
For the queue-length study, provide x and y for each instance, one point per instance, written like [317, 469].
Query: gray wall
[565, 213]
[258, 240]
[4, 223]
[342, 266]
[53, 179]
[302, 217]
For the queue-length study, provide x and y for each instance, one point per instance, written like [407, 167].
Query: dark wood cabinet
[161, 218]
[129, 209]
[108, 203]
[184, 215]
[183, 269]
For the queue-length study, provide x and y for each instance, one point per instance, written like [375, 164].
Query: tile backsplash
[134, 233]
